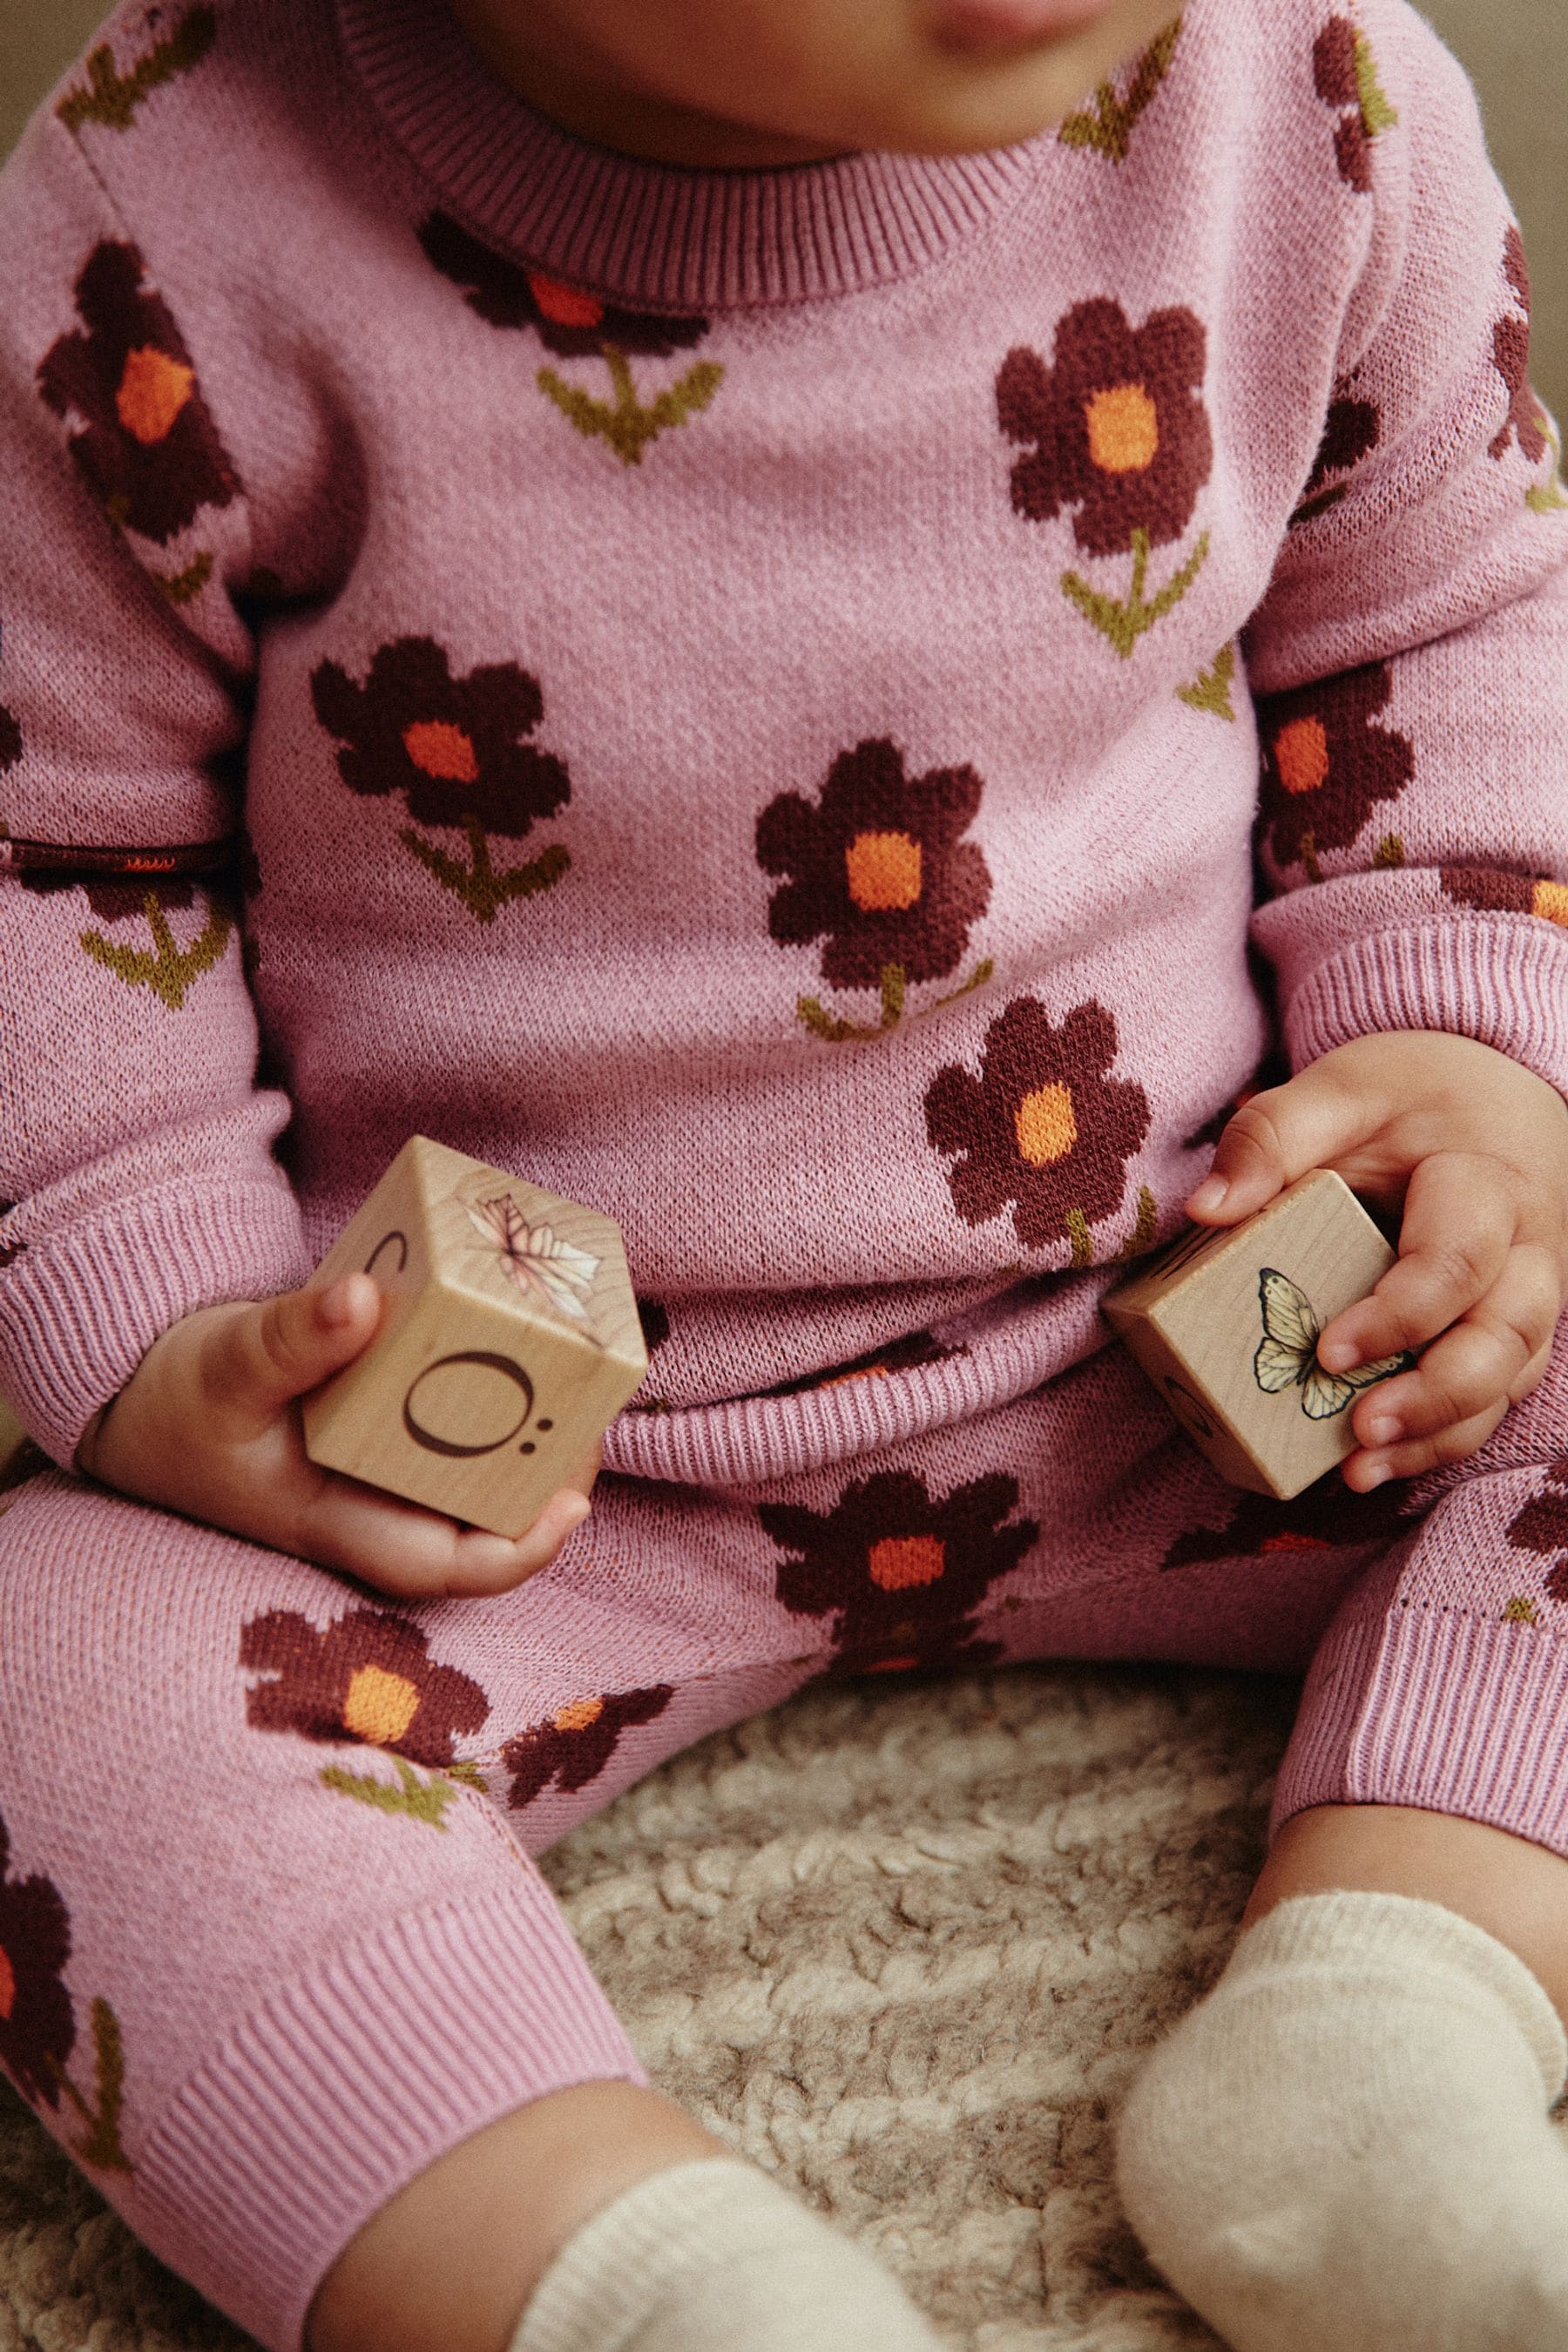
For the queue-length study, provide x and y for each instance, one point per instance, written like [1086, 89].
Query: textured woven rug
[904, 1947]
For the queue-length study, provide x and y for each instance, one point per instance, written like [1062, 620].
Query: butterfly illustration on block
[1287, 1354]
[535, 1257]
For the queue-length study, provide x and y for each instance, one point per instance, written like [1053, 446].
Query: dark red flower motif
[1042, 1128]
[899, 1570]
[10, 740]
[1511, 356]
[574, 1744]
[1541, 1527]
[1351, 432]
[1501, 892]
[30, 1461]
[567, 319]
[37, 2026]
[149, 449]
[1118, 425]
[452, 746]
[1325, 1517]
[910, 1649]
[878, 865]
[1325, 766]
[1335, 78]
[114, 899]
[366, 1678]
[654, 1318]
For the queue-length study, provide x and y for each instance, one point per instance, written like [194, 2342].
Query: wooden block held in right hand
[1225, 1321]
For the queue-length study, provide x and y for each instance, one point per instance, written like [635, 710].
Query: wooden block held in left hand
[510, 1341]
[1226, 1323]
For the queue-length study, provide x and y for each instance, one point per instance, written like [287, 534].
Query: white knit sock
[1346, 2147]
[715, 2257]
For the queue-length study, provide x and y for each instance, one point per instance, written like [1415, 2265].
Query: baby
[821, 623]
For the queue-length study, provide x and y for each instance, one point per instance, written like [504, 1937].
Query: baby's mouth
[1010, 24]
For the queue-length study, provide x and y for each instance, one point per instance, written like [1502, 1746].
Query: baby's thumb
[262, 1360]
[1274, 1138]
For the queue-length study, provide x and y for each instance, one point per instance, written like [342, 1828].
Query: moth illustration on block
[1226, 1321]
[510, 1341]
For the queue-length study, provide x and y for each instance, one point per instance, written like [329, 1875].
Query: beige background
[1517, 49]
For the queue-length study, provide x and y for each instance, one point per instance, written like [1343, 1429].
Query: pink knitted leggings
[271, 1938]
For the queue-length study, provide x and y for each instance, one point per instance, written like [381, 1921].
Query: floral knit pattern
[1344, 75]
[112, 99]
[1501, 892]
[167, 970]
[877, 869]
[1542, 1528]
[1105, 127]
[37, 2019]
[1116, 429]
[1042, 1129]
[366, 1677]
[1352, 430]
[574, 324]
[573, 1746]
[1324, 1517]
[456, 749]
[898, 1569]
[1327, 764]
[147, 447]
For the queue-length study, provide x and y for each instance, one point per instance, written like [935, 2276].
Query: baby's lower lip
[1010, 24]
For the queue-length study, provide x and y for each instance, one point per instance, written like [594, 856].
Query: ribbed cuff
[1446, 1712]
[1363, 1932]
[79, 1309]
[354, 2079]
[1504, 983]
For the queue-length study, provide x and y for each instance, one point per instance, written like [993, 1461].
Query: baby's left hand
[1474, 1149]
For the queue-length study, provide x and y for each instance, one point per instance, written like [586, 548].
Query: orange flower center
[1045, 1124]
[380, 1707]
[892, 1666]
[1301, 755]
[579, 1715]
[1124, 429]
[8, 1984]
[441, 750]
[152, 391]
[899, 1561]
[565, 306]
[1291, 1540]
[884, 870]
[1551, 900]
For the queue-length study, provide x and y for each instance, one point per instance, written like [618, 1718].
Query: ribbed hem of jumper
[1442, 1711]
[79, 1308]
[635, 2253]
[1504, 984]
[648, 233]
[749, 1440]
[1363, 1932]
[349, 2082]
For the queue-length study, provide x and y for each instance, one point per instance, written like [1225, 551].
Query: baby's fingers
[1453, 1400]
[416, 1554]
[1455, 1240]
[256, 1362]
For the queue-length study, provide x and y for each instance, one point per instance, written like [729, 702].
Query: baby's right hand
[210, 1424]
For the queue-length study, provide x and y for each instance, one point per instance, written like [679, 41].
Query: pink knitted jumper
[738, 686]
[836, 715]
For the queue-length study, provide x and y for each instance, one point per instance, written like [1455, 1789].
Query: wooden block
[1226, 1323]
[511, 1340]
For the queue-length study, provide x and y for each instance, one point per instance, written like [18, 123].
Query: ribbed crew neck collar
[651, 234]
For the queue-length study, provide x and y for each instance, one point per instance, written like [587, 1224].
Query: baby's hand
[1473, 1149]
[210, 1424]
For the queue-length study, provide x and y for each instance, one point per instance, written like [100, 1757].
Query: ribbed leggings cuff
[1436, 1710]
[352, 2080]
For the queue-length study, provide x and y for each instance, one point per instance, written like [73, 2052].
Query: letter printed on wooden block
[510, 1343]
[1225, 1322]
